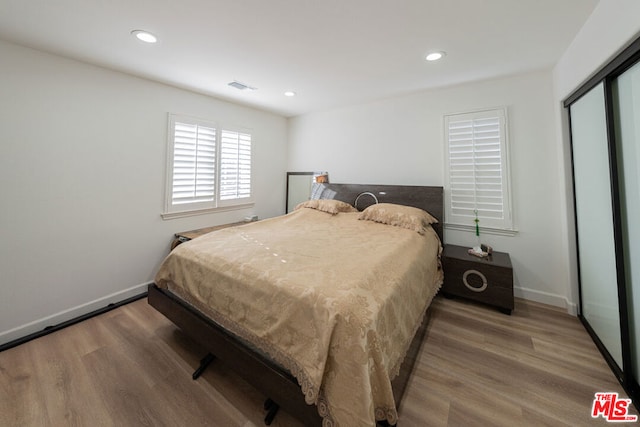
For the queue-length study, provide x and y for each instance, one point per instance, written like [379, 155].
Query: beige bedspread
[333, 299]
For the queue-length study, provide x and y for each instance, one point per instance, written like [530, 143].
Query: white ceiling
[331, 52]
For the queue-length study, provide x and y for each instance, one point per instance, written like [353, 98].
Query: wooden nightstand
[185, 236]
[488, 280]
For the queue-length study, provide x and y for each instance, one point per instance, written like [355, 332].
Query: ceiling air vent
[240, 86]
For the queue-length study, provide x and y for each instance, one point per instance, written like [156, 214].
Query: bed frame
[265, 375]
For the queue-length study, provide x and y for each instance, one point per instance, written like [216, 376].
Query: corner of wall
[547, 298]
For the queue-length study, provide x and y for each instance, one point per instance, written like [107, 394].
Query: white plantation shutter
[194, 164]
[235, 165]
[477, 171]
[207, 168]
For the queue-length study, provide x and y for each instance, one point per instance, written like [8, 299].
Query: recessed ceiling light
[289, 93]
[434, 56]
[144, 36]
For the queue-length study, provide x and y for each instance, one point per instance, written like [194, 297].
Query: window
[235, 165]
[477, 173]
[207, 169]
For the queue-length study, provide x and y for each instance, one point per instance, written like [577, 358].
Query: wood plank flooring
[477, 367]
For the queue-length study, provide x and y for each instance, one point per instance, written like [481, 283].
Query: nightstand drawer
[488, 280]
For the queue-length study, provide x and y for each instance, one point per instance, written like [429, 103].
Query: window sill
[174, 215]
[483, 230]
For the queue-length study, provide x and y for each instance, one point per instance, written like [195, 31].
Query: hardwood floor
[477, 367]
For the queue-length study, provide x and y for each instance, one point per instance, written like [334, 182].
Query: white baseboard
[546, 298]
[72, 313]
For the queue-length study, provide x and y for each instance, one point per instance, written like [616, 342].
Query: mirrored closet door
[604, 117]
[594, 219]
[626, 95]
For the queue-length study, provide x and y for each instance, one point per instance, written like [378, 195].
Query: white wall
[400, 141]
[82, 163]
[612, 26]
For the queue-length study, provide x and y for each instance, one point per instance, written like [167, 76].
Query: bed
[318, 308]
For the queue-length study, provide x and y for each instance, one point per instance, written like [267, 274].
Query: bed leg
[272, 407]
[203, 365]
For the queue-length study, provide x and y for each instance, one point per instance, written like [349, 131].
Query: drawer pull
[471, 287]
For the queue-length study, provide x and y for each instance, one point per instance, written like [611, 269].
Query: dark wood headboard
[428, 198]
